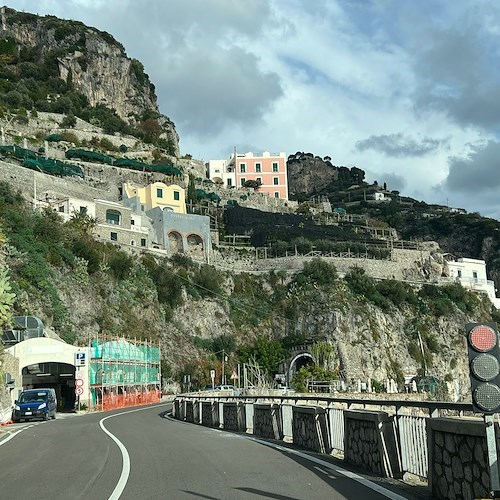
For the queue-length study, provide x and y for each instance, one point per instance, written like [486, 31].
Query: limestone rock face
[95, 64]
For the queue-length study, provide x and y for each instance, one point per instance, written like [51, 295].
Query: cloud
[399, 145]
[477, 172]
[458, 67]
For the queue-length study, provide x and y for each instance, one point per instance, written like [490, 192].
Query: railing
[410, 420]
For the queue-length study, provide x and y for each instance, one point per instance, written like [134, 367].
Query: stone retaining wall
[231, 416]
[369, 442]
[309, 428]
[267, 421]
[458, 460]
[209, 416]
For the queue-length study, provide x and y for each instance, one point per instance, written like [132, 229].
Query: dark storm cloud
[399, 145]
[394, 182]
[211, 90]
[476, 173]
[458, 69]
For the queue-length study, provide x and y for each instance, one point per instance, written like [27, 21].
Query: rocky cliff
[91, 62]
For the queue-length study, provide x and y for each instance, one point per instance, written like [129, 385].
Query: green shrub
[207, 280]
[320, 271]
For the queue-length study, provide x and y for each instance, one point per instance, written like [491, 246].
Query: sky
[407, 90]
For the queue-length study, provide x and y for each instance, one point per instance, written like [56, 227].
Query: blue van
[35, 403]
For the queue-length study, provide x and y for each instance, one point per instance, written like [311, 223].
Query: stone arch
[302, 359]
[175, 242]
[195, 245]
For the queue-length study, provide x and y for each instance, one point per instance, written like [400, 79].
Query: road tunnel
[59, 376]
[297, 363]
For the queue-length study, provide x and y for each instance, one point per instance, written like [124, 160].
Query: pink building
[267, 169]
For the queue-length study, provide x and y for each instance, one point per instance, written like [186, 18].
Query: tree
[6, 296]
[191, 192]
[69, 121]
[152, 129]
[252, 184]
[268, 353]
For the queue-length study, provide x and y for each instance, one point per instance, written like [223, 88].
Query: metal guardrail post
[221, 414]
[249, 417]
[287, 415]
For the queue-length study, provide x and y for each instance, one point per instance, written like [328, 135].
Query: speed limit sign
[79, 391]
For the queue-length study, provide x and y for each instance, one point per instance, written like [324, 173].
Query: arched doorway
[58, 376]
[195, 245]
[175, 242]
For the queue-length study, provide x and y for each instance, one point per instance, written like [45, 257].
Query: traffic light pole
[491, 446]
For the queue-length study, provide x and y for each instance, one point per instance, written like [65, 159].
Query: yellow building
[167, 197]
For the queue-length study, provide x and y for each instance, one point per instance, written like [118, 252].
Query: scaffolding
[123, 372]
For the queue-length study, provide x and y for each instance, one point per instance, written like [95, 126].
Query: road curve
[73, 458]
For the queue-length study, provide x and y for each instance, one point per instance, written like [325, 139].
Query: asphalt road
[140, 454]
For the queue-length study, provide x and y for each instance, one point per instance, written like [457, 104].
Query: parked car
[225, 388]
[35, 403]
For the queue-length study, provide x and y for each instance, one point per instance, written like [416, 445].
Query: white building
[222, 171]
[471, 273]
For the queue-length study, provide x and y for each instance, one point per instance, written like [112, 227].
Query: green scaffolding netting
[123, 363]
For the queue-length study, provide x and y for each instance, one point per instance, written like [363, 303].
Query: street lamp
[224, 359]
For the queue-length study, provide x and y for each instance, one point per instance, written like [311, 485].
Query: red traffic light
[482, 338]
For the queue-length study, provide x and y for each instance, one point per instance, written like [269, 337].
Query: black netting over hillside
[266, 227]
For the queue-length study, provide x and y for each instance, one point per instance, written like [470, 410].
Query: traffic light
[484, 364]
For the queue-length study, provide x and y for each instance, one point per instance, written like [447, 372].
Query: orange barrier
[113, 401]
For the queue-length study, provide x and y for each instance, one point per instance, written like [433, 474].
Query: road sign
[79, 391]
[79, 375]
[79, 382]
[234, 376]
[79, 359]
[212, 373]
[484, 364]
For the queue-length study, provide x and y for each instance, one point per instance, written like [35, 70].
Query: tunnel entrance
[58, 376]
[297, 363]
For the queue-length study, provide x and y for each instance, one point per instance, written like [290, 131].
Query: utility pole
[222, 374]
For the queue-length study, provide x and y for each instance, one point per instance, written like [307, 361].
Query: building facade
[471, 273]
[268, 169]
[164, 196]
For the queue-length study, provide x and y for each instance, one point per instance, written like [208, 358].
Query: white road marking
[122, 482]
[335, 468]
[7, 439]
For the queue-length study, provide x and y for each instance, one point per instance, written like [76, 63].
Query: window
[143, 242]
[132, 222]
[83, 210]
[276, 194]
[229, 182]
[258, 168]
[276, 181]
[61, 209]
[259, 180]
[474, 275]
[177, 195]
[113, 217]
[243, 180]
[243, 168]
[114, 236]
[142, 208]
[159, 192]
[459, 273]
[132, 243]
[275, 166]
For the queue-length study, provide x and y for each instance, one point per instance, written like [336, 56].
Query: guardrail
[409, 419]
